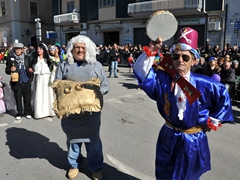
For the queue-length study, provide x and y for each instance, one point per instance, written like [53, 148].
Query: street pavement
[36, 149]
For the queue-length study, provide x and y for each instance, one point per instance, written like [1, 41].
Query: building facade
[26, 21]
[108, 21]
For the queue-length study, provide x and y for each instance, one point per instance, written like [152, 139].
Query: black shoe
[109, 76]
[97, 175]
[116, 76]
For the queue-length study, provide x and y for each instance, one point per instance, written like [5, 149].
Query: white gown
[2, 101]
[43, 97]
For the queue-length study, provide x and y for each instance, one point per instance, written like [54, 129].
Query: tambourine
[161, 23]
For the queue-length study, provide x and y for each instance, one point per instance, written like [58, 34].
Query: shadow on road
[109, 173]
[28, 144]
[129, 85]
[130, 75]
[236, 113]
[11, 113]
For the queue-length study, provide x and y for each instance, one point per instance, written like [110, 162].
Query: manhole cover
[132, 100]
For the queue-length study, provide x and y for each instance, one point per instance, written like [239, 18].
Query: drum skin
[163, 24]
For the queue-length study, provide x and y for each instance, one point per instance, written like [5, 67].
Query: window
[103, 3]
[70, 6]
[33, 9]
[3, 8]
[191, 3]
[215, 5]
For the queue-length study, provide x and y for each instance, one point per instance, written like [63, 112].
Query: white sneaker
[28, 116]
[18, 118]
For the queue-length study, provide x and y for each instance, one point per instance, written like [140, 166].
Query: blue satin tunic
[181, 156]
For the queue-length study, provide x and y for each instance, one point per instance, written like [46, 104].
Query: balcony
[177, 7]
[68, 18]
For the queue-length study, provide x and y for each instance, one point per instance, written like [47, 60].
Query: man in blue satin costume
[182, 151]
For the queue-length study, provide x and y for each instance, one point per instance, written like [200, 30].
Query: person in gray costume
[80, 66]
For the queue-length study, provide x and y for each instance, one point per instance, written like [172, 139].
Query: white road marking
[3, 124]
[128, 170]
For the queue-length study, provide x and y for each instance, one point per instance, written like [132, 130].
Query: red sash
[190, 91]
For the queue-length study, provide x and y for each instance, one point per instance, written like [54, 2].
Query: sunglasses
[51, 48]
[185, 57]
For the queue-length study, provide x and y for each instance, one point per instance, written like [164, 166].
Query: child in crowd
[131, 62]
[2, 101]
[2, 57]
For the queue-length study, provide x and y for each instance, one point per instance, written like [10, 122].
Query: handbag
[14, 76]
[77, 97]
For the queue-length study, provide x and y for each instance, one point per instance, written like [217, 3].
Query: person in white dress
[43, 97]
[55, 60]
[2, 100]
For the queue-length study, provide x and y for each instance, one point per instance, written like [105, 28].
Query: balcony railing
[152, 6]
[68, 17]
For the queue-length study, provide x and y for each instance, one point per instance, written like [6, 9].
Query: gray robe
[83, 127]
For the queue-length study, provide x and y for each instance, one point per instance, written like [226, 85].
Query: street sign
[237, 25]
[51, 34]
[128, 40]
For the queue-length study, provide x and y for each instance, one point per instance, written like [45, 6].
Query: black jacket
[197, 69]
[227, 76]
[113, 56]
[28, 64]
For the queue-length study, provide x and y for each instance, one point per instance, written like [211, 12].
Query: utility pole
[38, 30]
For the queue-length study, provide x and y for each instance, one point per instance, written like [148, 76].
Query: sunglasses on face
[185, 57]
[51, 48]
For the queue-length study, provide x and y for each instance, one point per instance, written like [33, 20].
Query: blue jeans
[94, 155]
[114, 66]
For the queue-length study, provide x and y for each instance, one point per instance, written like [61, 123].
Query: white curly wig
[90, 46]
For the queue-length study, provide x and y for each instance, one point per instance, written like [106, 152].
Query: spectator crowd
[221, 64]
